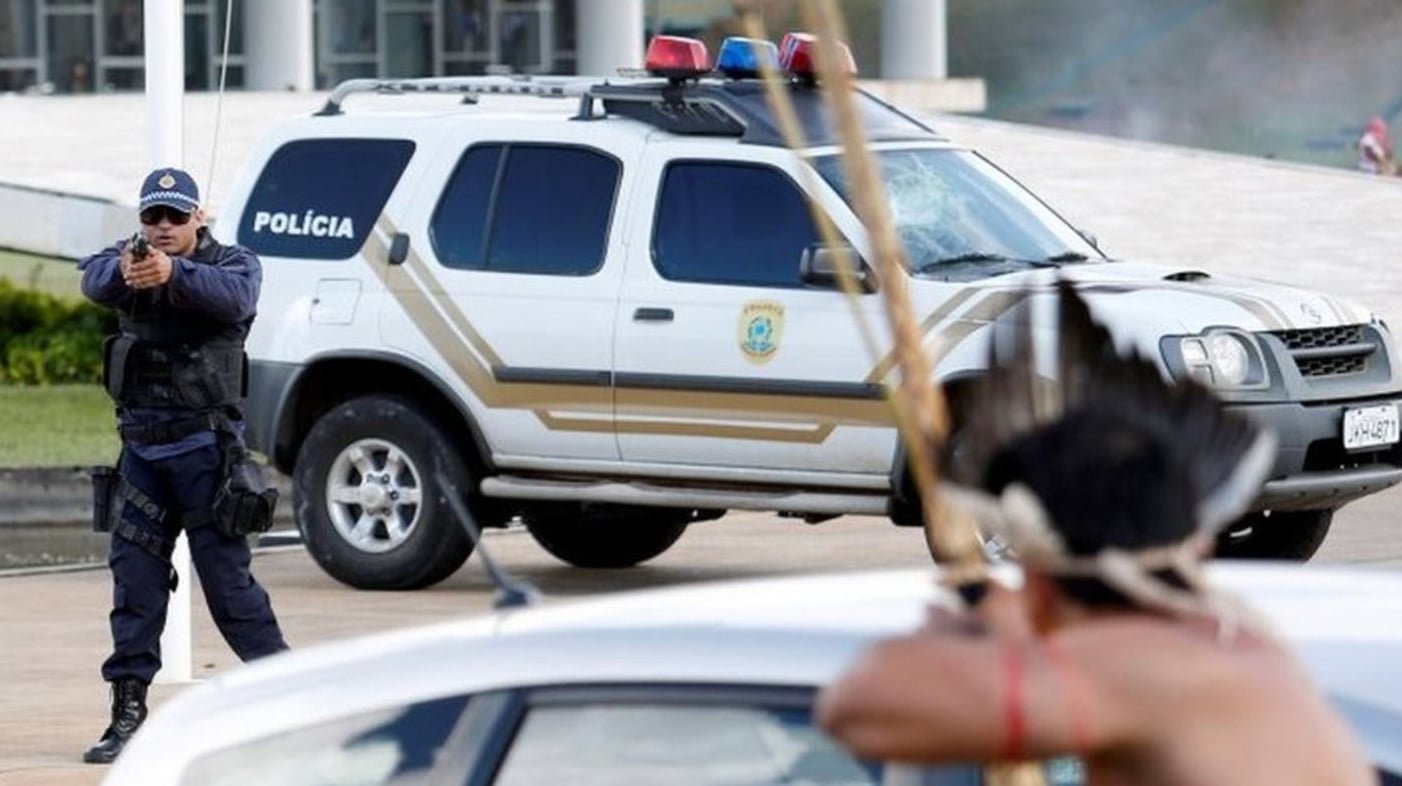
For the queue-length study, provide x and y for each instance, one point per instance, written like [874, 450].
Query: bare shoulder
[1144, 656]
[1200, 703]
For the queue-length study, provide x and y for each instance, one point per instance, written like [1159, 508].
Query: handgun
[140, 246]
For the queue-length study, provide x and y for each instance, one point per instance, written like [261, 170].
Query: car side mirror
[822, 266]
[398, 248]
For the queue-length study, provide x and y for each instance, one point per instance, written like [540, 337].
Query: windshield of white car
[960, 218]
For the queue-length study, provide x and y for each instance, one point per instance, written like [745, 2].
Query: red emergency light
[675, 57]
[798, 55]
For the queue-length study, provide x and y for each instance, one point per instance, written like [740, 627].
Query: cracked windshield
[960, 218]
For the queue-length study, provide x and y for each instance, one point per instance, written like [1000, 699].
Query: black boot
[128, 711]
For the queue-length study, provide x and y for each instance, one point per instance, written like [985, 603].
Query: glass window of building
[97, 45]
[409, 40]
[565, 38]
[122, 27]
[19, 49]
[17, 29]
[353, 26]
[466, 24]
[525, 36]
[234, 78]
[71, 46]
[197, 50]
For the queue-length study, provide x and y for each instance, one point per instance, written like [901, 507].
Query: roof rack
[469, 86]
[701, 107]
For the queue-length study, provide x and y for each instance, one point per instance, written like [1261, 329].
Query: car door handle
[653, 315]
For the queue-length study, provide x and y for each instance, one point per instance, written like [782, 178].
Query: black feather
[1119, 455]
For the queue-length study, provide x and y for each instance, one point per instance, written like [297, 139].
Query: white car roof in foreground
[1346, 623]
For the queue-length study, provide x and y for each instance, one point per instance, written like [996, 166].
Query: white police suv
[709, 685]
[604, 306]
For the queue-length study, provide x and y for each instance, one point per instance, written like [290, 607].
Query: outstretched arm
[226, 290]
[938, 695]
[102, 277]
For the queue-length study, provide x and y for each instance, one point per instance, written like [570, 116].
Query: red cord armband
[1014, 713]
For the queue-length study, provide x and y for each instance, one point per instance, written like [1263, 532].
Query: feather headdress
[1095, 466]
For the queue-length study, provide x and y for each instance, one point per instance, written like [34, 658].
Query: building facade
[81, 46]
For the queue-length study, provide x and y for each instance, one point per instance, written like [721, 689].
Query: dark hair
[1106, 480]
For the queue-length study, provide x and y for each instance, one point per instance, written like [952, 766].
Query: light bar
[675, 57]
[798, 54]
[746, 58]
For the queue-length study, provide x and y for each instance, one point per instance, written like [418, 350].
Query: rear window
[527, 208]
[319, 198]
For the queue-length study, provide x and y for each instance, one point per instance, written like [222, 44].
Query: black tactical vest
[176, 358]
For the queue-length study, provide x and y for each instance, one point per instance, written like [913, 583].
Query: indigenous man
[1113, 649]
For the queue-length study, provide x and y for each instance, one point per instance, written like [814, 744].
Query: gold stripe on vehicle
[767, 406]
[468, 368]
[431, 284]
[811, 435]
[884, 366]
[445, 327]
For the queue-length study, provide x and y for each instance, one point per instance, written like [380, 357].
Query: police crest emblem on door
[760, 329]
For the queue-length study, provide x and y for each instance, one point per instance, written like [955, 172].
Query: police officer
[175, 370]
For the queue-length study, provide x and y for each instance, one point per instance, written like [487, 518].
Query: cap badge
[167, 181]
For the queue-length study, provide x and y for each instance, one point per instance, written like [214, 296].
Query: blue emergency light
[746, 58]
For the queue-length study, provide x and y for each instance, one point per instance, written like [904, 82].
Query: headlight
[1224, 359]
[1229, 358]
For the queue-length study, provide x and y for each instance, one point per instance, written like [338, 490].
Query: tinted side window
[385, 748]
[459, 228]
[527, 209]
[319, 198]
[731, 224]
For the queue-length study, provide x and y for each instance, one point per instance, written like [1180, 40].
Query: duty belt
[164, 432]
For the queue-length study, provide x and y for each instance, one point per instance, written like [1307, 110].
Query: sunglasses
[152, 216]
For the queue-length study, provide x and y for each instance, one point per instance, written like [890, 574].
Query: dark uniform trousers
[184, 486]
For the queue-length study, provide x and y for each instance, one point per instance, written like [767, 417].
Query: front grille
[1308, 338]
[1328, 351]
[1324, 367]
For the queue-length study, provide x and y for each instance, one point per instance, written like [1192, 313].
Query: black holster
[105, 485]
[244, 503]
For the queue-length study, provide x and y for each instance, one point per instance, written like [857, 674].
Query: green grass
[58, 277]
[59, 425]
[56, 426]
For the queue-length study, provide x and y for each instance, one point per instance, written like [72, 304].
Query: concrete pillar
[913, 42]
[609, 35]
[277, 42]
[163, 24]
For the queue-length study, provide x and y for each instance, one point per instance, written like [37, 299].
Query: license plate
[1368, 427]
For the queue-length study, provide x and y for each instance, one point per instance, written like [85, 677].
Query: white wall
[60, 225]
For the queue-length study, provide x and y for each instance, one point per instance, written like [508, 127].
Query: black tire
[387, 528]
[1285, 535]
[607, 537]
